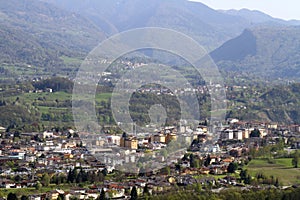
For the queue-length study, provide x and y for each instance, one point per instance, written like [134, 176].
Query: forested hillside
[266, 52]
[38, 35]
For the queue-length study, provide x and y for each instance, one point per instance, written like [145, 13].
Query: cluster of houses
[28, 155]
[133, 142]
[236, 130]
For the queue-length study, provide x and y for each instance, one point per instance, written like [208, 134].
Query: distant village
[26, 157]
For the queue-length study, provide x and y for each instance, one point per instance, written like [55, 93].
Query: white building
[227, 134]
[238, 134]
[113, 139]
[47, 134]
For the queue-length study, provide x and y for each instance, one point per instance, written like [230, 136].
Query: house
[50, 90]
[246, 133]
[160, 138]
[186, 180]
[131, 143]
[2, 129]
[113, 139]
[8, 184]
[214, 159]
[272, 126]
[35, 197]
[68, 196]
[92, 194]
[207, 180]
[28, 183]
[204, 170]
[238, 134]
[230, 180]
[128, 142]
[115, 190]
[232, 121]
[53, 195]
[140, 182]
[227, 134]
[79, 193]
[189, 171]
[227, 161]
[170, 137]
[76, 195]
[296, 143]
[263, 132]
[68, 156]
[203, 128]
[47, 134]
[218, 170]
[67, 145]
[185, 164]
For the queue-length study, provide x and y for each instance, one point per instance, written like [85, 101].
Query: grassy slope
[282, 169]
[30, 98]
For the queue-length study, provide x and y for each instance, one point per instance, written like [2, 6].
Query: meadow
[281, 168]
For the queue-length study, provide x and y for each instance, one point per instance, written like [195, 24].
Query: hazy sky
[284, 9]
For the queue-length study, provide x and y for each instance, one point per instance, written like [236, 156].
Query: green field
[61, 96]
[281, 169]
[30, 191]
[103, 97]
[52, 97]
[71, 61]
[55, 109]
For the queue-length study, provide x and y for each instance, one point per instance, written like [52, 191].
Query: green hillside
[266, 52]
[36, 35]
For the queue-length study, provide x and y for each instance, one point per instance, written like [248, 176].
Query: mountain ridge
[192, 18]
[41, 32]
[273, 53]
[37, 33]
[259, 16]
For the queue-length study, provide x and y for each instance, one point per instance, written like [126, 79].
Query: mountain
[50, 34]
[272, 52]
[209, 27]
[255, 16]
[35, 33]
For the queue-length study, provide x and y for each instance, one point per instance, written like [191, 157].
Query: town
[71, 168]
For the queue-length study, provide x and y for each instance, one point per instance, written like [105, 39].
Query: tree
[18, 178]
[79, 178]
[24, 197]
[166, 170]
[248, 179]
[194, 161]
[146, 191]
[38, 186]
[185, 157]
[72, 175]
[255, 133]
[102, 195]
[45, 180]
[178, 167]
[276, 183]
[133, 194]
[12, 196]
[232, 167]
[243, 174]
[295, 160]
[207, 161]
[104, 172]
[61, 197]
